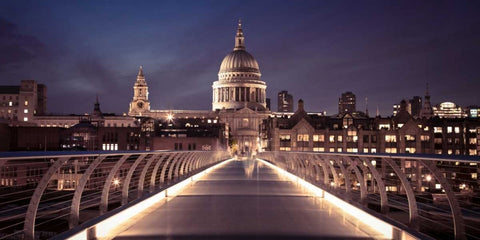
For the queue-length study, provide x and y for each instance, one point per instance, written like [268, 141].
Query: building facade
[18, 104]
[362, 134]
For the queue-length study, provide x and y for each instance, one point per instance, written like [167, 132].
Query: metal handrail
[98, 181]
[369, 175]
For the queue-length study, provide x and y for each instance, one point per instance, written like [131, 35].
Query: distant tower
[96, 110]
[285, 102]
[347, 103]
[427, 110]
[140, 103]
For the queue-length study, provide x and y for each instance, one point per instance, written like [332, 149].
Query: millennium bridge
[210, 195]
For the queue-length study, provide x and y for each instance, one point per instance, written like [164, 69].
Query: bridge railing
[438, 196]
[43, 194]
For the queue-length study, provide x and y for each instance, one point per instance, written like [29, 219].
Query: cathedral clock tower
[140, 104]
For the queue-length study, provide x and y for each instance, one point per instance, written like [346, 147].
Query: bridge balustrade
[435, 195]
[43, 194]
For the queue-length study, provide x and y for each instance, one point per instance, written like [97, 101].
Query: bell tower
[140, 103]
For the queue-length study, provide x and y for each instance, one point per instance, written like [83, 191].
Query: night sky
[383, 50]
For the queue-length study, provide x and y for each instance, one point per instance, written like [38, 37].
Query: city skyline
[315, 50]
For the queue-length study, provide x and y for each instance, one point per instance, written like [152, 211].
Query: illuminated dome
[239, 84]
[239, 61]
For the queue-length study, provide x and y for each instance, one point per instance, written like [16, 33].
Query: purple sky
[383, 50]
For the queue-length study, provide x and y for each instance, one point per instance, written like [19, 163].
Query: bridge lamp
[169, 117]
[429, 178]
[374, 162]
[116, 183]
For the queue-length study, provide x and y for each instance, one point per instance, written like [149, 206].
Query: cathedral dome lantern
[239, 84]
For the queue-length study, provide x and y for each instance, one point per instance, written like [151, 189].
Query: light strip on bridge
[104, 228]
[380, 226]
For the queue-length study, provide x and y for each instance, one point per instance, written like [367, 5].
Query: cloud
[17, 48]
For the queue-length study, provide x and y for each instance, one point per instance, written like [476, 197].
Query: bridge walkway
[245, 199]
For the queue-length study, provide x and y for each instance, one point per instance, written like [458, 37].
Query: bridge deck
[245, 199]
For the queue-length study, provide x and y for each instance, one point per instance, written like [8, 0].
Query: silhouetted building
[413, 107]
[285, 102]
[347, 103]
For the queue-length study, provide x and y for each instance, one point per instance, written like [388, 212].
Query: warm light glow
[380, 226]
[428, 178]
[169, 117]
[116, 182]
[105, 228]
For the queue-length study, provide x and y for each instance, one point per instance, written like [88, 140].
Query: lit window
[302, 137]
[331, 138]
[26, 103]
[449, 129]
[284, 148]
[318, 138]
[384, 126]
[317, 149]
[457, 129]
[391, 150]
[472, 152]
[25, 119]
[209, 120]
[390, 138]
[425, 138]
[339, 149]
[409, 137]
[340, 138]
[437, 129]
[10, 103]
[25, 110]
[472, 141]
[331, 149]
[410, 150]
[284, 137]
[474, 175]
[365, 150]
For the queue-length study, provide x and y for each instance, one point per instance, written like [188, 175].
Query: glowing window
[331, 138]
[10, 103]
[457, 129]
[425, 138]
[302, 138]
[25, 119]
[449, 129]
[318, 138]
[26, 103]
[25, 110]
[410, 150]
[284, 137]
[390, 138]
[437, 129]
[409, 137]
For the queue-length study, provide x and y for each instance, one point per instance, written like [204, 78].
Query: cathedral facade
[238, 99]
